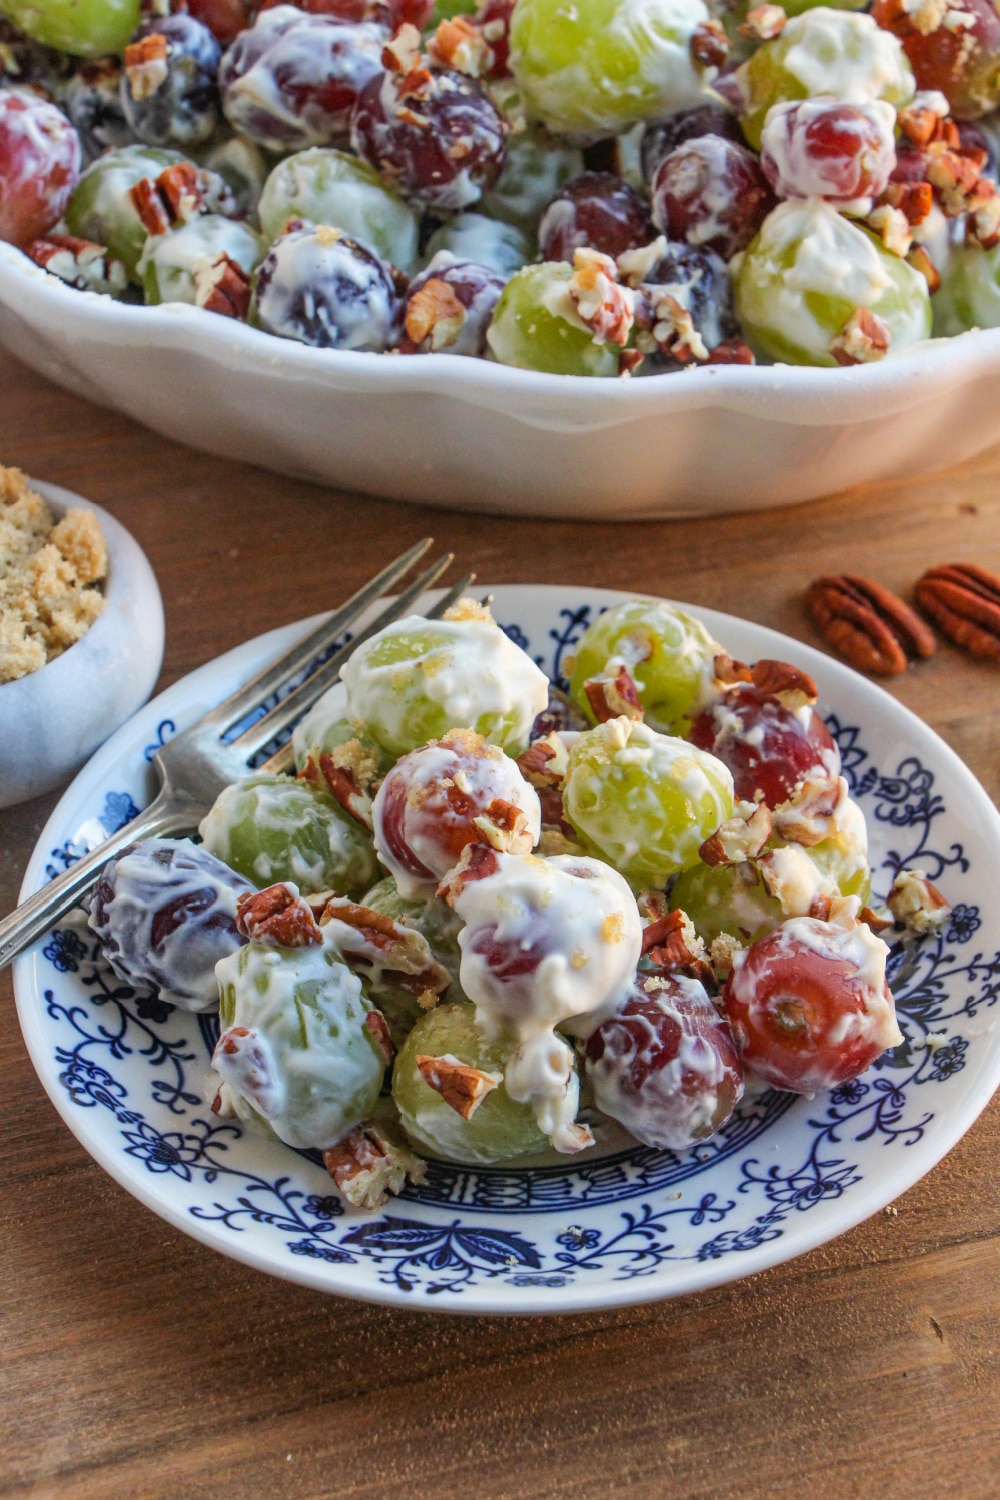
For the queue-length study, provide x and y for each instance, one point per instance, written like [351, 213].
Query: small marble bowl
[53, 719]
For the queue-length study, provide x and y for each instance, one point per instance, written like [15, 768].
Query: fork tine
[283, 760]
[303, 697]
[254, 692]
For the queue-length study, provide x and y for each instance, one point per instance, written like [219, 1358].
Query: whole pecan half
[867, 624]
[964, 601]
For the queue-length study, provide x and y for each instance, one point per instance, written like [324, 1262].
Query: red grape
[665, 1065]
[432, 133]
[711, 193]
[427, 805]
[769, 748]
[821, 148]
[663, 136]
[809, 1004]
[599, 210]
[39, 165]
[960, 55]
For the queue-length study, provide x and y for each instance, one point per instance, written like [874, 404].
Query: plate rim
[494, 1299]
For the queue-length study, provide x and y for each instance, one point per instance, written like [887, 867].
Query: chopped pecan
[672, 945]
[461, 45]
[921, 261]
[402, 53]
[920, 122]
[435, 313]
[738, 839]
[478, 862]
[181, 186]
[221, 286]
[964, 602]
[277, 915]
[605, 307]
[378, 1029]
[983, 224]
[864, 337]
[867, 624]
[329, 771]
[370, 1163]
[917, 903]
[914, 199]
[384, 946]
[146, 67]
[808, 817]
[874, 920]
[793, 687]
[80, 263]
[671, 325]
[893, 229]
[611, 697]
[709, 44]
[731, 352]
[504, 826]
[764, 22]
[955, 173]
[729, 671]
[461, 1087]
[544, 763]
[149, 206]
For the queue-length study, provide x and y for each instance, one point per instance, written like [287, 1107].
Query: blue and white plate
[129, 1074]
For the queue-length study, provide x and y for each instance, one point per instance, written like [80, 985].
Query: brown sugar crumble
[50, 574]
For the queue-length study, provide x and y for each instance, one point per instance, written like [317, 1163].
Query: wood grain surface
[135, 1363]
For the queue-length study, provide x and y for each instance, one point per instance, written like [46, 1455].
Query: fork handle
[165, 815]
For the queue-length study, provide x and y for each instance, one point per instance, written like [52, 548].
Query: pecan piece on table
[964, 603]
[868, 625]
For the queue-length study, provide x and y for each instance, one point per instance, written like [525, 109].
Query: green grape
[324, 1066]
[101, 209]
[597, 66]
[323, 186]
[726, 898]
[536, 327]
[643, 801]
[169, 266]
[440, 926]
[271, 828]
[969, 295]
[502, 247]
[499, 1130]
[536, 166]
[844, 861]
[416, 679]
[668, 653]
[242, 166]
[823, 51]
[84, 28]
[808, 270]
[446, 10]
[325, 727]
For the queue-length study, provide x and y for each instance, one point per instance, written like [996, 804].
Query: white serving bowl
[52, 720]
[471, 435]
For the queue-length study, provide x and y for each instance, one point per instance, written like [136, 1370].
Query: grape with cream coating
[272, 828]
[809, 270]
[500, 1129]
[969, 295]
[536, 326]
[437, 800]
[171, 265]
[325, 186]
[417, 678]
[435, 921]
[547, 942]
[501, 247]
[326, 728]
[644, 801]
[823, 51]
[669, 655]
[665, 1064]
[165, 912]
[595, 67]
[536, 166]
[295, 1055]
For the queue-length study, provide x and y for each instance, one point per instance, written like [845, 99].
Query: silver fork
[196, 764]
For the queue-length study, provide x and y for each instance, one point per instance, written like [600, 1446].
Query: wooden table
[136, 1363]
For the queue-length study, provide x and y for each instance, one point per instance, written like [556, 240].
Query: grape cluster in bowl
[487, 920]
[597, 189]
